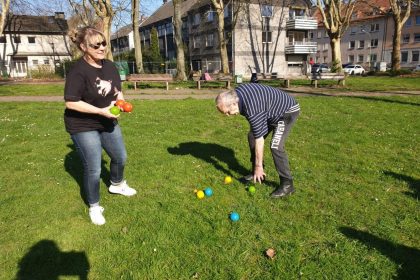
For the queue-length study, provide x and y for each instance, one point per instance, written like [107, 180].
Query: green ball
[115, 110]
[251, 189]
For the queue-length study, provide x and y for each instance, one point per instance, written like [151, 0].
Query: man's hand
[259, 174]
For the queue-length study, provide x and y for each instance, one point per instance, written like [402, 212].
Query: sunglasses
[98, 45]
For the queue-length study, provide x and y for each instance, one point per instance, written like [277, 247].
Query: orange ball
[127, 107]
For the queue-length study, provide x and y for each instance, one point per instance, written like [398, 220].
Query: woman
[92, 86]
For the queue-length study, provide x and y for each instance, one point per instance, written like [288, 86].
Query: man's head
[228, 103]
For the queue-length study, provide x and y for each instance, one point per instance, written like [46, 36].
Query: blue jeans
[89, 146]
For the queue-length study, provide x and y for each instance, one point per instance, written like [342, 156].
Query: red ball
[127, 107]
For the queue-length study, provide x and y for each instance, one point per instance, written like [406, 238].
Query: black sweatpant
[280, 132]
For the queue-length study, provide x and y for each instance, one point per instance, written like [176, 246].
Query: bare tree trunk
[135, 5]
[336, 52]
[400, 14]
[5, 4]
[104, 10]
[219, 7]
[180, 58]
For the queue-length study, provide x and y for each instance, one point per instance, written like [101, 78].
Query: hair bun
[73, 35]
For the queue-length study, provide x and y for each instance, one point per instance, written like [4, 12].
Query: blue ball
[208, 191]
[234, 216]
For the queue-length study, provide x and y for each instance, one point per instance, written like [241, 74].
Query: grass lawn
[355, 214]
[353, 83]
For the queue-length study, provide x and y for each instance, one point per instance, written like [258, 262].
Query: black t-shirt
[96, 86]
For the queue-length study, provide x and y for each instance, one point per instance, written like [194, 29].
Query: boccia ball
[115, 110]
[234, 216]
[200, 194]
[208, 191]
[251, 189]
[228, 180]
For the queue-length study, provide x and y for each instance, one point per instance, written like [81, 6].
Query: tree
[219, 7]
[180, 58]
[5, 5]
[103, 10]
[401, 10]
[135, 5]
[152, 54]
[336, 15]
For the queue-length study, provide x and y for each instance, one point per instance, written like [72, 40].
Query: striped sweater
[264, 106]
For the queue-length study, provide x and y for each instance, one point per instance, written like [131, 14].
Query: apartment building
[368, 39]
[31, 42]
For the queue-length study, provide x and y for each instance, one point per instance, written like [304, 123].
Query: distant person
[267, 109]
[91, 89]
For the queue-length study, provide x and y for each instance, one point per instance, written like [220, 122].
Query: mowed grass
[355, 214]
[353, 83]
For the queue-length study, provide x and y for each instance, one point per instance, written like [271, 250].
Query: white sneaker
[95, 213]
[123, 189]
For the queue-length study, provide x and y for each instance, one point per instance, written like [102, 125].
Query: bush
[43, 72]
[400, 72]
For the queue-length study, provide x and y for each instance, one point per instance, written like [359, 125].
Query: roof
[35, 24]
[123, 31]
[166, 11]
[363, 10]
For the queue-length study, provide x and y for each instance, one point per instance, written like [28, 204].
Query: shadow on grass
[45, 261]
[407, 258]
[381, 99]
[214, 154]
[413, 183]
[211, 153]
[74, 166]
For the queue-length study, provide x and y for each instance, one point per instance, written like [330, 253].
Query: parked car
[345, 65]
[354, 69]
[417, 68]
[320, 68]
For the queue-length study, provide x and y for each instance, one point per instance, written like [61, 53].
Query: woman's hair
[86, 35]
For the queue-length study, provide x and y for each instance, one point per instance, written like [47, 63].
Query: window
[417, 37]
[406, 38]
[267, 11]
[351, 45]
[31, 40]
[266, 37]
[417, 20]
[3, 40]
[373, 43]
[353, 30]
[16, 40]
[350, 58]
[266, 33]
[196, 19]
[374, 27]
[326, 34]
[408, 22]
[415, 56]
[35, 62]
[319, 34]
[210, 15]
[46, 61]
[373, 57]
[360, 58]
[296, 13]
[196, 42]
[226, 11]
[210, 40]
[326, 46]
[361, 44]
[404, 57]
[311, 35]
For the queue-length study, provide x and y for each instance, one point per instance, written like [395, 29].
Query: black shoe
[283, 190]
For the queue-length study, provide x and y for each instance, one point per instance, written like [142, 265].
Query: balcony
[301, 47]
[302, 23]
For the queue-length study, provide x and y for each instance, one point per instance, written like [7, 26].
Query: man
[267, 109]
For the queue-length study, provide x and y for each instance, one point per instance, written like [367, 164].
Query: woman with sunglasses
[92, 87]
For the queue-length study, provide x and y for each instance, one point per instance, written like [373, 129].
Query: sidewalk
[183, 93]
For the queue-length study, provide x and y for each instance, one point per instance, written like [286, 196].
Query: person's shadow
[211, 153]
[407, 258]
[413, 183]
[73, 165]
[45, 261]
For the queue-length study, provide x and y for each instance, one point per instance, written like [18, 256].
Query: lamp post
[370, 46]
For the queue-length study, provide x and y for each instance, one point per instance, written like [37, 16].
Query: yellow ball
[200, 194]
[228, 180]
